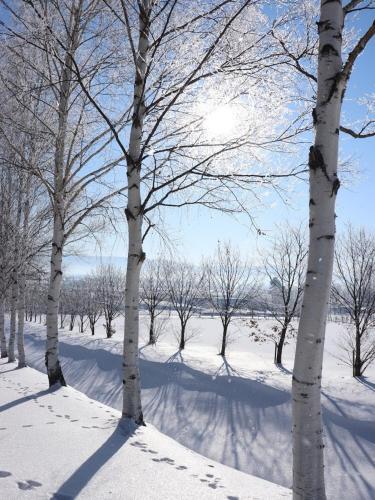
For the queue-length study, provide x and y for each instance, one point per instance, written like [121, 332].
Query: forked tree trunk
[21, 321]
[132, 406]
[308, 468]
[3, 341]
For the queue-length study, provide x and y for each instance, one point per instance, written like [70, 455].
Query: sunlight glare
[220, 122]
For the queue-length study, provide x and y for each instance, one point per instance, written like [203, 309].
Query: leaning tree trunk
[280, 345]
[3, 341]
[308, 468]
[132, 406]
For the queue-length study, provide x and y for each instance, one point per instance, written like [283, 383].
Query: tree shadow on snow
[359, 431]
[366, 383]
[82, 476]
[283, 369]
[219, 415]
[31, 397]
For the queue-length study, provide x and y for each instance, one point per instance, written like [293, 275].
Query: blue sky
[195, 232]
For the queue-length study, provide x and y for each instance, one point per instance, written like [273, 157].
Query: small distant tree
[82, 304]
[111, 284]
[93, 306]
[153, 294]
[72, 297]
[285, 266]
[354, 290]
[227, 281]
[183, 284]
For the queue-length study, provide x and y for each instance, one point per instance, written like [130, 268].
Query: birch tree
[183, 283]
[93, 304]
[354, 290]
[332, 79]
[153, 293]
[284, 265]
[64, 115]
[111, 295]
[174, 156]
[227, 283]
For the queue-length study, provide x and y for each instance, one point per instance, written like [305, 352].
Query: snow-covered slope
[62, 445]
[235, 411]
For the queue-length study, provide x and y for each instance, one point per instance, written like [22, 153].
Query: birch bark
[308, 463]
[21, 321]
[13, 318]
[22, 279]
[3, 341]
[132, 406]
[54, 371]
[53, 366]
[14, 288]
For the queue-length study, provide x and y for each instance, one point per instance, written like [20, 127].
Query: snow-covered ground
[236, 411]
[62, 445]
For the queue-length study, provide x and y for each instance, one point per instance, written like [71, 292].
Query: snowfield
[235, 411]
[62, 445]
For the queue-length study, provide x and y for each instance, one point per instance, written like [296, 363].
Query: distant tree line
[227, 286]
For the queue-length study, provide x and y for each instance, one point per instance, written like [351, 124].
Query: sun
[220, 122]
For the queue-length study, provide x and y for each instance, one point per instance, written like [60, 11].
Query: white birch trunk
[22, 279]
[14, 287]
[3, 341]
[21, 321]
[132, 406]
[54, 371]
[308, 463]
[13, 318]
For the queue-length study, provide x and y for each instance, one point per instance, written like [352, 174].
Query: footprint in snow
[28, 485]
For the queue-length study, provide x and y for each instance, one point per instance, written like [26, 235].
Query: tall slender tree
[332, 79]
